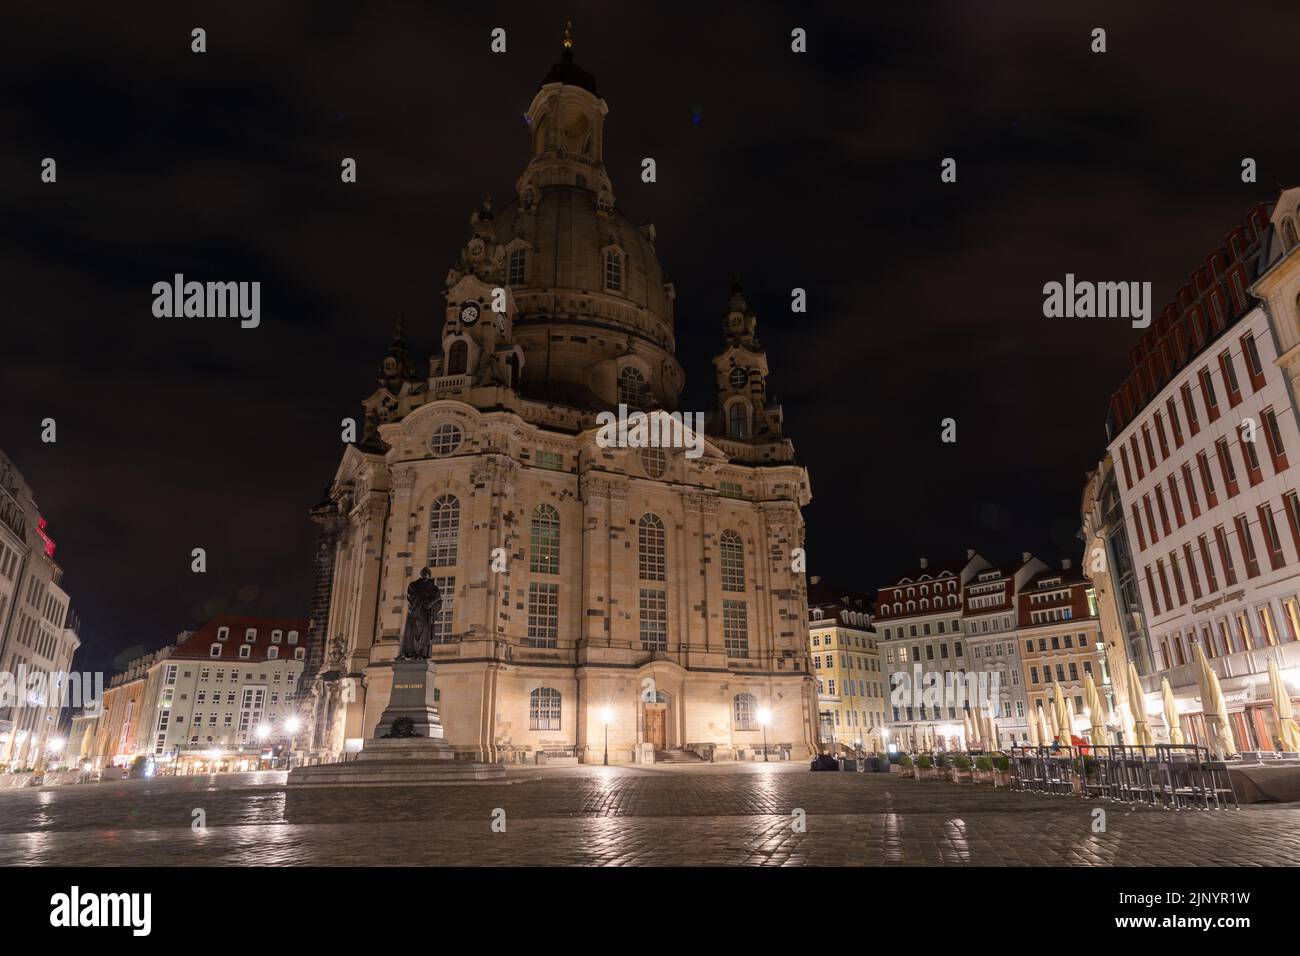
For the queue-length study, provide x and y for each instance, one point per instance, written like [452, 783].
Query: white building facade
[1205, 441]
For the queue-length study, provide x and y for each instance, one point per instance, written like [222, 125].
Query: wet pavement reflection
[749, 814]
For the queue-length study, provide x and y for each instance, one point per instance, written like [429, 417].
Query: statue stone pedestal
[408, 749]
[411, 711]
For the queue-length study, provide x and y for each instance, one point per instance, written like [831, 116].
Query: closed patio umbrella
[1171, 713]
[1052, 728]
[1286, 726]
[991, 738]
[1214, 708]
[970, 734]
[1035, 740]
[1096, 710]
[1064, 722]
[1137, 706]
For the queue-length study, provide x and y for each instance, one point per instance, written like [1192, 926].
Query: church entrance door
[656, 726]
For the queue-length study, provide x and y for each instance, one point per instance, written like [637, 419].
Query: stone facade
[592, 589]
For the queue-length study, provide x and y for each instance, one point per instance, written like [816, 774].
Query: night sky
[818, 170]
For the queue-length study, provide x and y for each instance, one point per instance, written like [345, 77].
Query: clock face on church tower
[469, 313]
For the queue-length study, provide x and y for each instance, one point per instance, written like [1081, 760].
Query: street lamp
[605, 715]
[764, 718]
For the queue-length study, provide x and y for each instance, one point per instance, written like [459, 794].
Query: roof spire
[567, 42]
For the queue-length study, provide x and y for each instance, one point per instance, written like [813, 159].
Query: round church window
[446, 439]
[739, 378]
[654, 461]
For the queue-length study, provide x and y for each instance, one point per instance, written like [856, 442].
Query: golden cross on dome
[568, 35]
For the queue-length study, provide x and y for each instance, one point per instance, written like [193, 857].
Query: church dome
[568, 239]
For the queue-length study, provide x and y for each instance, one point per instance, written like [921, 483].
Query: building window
[445, 440]
[654, 619]
[654, 462]
[457, 357]
[300, 654]
[543, 614]
[744, 712]
[1273, 435]
[223, 633]
[738, 421]
[444, 531]
[1254, 367]
[1226, 466]
[544, 556]
[544, 709]
[293, 637]
[733, 561]
[633, 390]
[1246, 541]
[245, 651]
[735, 628]
[272, 653]
[1207, 394]
[550, 460]
[276, 636]
[650, 548]
[518, 266]
[1225, 557]
[214, 650]
[614, 270]
[442, 633]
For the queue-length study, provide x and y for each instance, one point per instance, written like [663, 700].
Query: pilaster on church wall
[368, 519]
[703, 590]
[396, 558]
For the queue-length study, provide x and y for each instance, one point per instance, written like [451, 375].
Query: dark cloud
[818, 171]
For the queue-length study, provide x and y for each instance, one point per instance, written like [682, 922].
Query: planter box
[1001, 778]
[983, 776]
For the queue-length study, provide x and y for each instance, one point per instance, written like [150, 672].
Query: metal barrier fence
[1167, 775]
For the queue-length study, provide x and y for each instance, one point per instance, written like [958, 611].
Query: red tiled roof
[199, 646]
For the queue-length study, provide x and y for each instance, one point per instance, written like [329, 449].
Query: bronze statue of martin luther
[423, 602]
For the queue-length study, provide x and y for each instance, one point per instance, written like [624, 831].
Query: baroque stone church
[604, 602]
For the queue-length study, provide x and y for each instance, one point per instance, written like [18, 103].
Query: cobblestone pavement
[616, 816]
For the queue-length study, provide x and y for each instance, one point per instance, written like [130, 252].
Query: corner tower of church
[657, 590]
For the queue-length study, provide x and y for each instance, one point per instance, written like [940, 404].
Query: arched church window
[544, 709]
[733, 561]
[544, 554]
[444, 531]
[457, 358]
[737, 421]
[614, 270]
[518, 266]
[650, 548]
[633, 389]
[744, 712]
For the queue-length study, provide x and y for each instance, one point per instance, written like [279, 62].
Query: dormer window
[613, 270]
[223, 633]
[293, 637]
[245, 651]
[272, 653]
[250, 635]
[276, 635]
[214, 650]
[300, 654]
